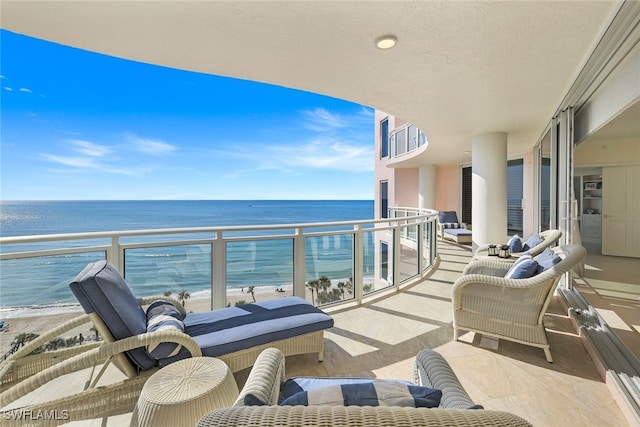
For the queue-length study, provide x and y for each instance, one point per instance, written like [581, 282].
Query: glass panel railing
[412, 138]
[257, 269]
[406, 139]
[42, 280]
[181, 271]
[329, 261]
[224, 266]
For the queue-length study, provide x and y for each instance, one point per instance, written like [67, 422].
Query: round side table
[182, 392]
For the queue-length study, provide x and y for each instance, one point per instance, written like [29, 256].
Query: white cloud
[92, 157]
[338, 142]
[90, 149]
[328, 153]
[322, 120]
[148, 145]
[24, 89]
[7, 88]
[89, 163]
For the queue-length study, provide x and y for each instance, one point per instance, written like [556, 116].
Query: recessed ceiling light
[467, 152]
[386, 42]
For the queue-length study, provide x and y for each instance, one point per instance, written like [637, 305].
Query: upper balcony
[407, 147]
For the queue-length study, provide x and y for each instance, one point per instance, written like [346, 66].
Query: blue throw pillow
[515, 244]
[533, 241]
[523, 268]
[372, 393]
[547, 259]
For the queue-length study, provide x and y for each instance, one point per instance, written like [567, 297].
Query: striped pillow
[373, 393]
[162, 316]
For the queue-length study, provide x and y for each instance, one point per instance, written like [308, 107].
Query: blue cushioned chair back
[447, 217]
[100, 288]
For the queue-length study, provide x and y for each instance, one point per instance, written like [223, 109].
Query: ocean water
[45, 281]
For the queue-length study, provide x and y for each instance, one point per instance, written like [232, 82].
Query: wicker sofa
[431, 370]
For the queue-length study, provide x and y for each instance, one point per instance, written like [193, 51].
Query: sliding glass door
[554, 180]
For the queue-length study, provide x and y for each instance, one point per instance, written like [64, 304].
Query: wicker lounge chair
[486, 302]
[549, 238]
[450, 228]
[431, 370]
[235, 335]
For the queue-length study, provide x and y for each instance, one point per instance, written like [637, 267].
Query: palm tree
[250, 290]
[21, 340]
[345, 286]
[55, 344]
[183, 296]
[167, 293]
[95, 330]
[313, 285]
[325, 283]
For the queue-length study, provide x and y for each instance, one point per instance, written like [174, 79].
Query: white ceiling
[459, 69]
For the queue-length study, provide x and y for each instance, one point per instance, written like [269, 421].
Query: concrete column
[489, 187]
[427, 187]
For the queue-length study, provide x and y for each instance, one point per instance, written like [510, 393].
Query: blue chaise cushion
[237, 328]
[448, 219]
[100, 288]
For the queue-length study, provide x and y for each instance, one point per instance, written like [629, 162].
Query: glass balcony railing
[405, 139]
[326, 263]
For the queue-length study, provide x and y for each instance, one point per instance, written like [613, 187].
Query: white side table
[182, 392]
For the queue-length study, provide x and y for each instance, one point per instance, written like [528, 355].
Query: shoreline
[40, 319]
[233, 295]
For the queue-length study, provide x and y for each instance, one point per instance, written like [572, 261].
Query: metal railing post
[358, 258]
[299, 263]
[219, 275]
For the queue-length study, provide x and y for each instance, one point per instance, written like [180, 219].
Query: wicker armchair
[549, 238]
[512, 309]
[431, 370]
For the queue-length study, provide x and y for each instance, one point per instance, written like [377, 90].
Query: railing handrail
[186, 230]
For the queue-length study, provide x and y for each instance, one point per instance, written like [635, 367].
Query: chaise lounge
[450, 228]
[138, 342]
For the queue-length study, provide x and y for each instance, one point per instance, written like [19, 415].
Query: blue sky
[78, 125]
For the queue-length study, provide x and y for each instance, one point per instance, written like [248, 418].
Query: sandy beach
[41, 320]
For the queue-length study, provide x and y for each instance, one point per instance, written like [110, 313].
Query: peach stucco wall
[406, 188]
[448, 188]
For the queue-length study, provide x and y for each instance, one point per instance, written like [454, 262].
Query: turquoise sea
[44, 281]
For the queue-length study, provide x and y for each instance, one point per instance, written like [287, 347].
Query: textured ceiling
[459, 68]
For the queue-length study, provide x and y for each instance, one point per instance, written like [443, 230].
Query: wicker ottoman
[181, 393]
